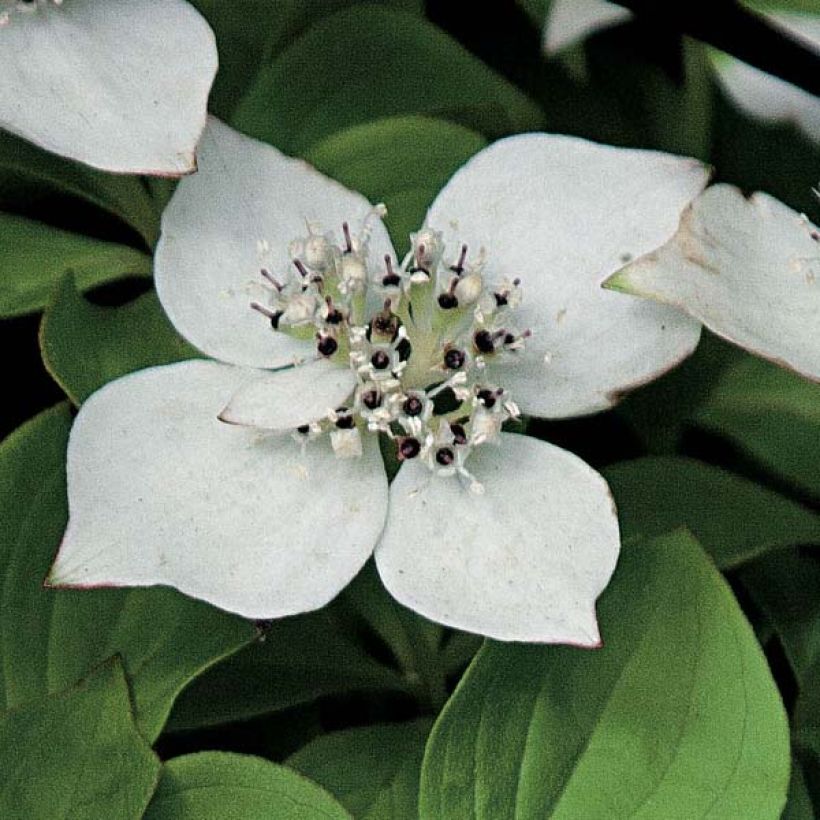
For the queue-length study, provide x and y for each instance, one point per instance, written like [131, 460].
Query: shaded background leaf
[77, 754]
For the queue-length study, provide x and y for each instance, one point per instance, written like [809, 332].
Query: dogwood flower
[256, 481]
[121, 85]
[758, 94]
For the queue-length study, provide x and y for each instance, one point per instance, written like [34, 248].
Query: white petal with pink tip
[161, 492]
[524, 561]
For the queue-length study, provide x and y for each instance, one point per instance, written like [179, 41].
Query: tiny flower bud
[427, 249]
[353, 272]
[317, 253]
[346, 443]
[469, 288]
[300, 309]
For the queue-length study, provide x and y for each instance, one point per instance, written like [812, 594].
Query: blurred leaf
[373, 770]
[786, 587]
[733, 518]
[773, 414]
[76, 754]
[403, 162]
[458, 650]
[33, 256]
[50, 638]
[536, 10]
[84, 346]
[670, 107]
[798, 805]
[249, 31]
[217, 786]
[759, 156]
[367, 63]
[27, 171]
[807, 709]
[676, 717]
[413, 640]
[301, 658]
[807, 6]
[659, 411]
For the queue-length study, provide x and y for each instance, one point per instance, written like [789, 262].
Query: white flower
[121, 85]
[482, 530]
[760, 95]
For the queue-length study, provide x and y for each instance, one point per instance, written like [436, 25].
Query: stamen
[327, 345]
[391, 278]
[380, 360]
[273, 315]
[409, 447]
[488, 397]
[348, 240]
[459, 434]
[483, 341]
[334, 315]
[267, 275]
[458, 268]
[372, 399]
[412, 406]
[454, 358]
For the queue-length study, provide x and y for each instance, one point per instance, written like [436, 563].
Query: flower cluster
[416, 336]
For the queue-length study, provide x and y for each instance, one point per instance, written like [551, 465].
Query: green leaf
[76, 754]
[373, 770]
[733, 518]
[84, 346]
[785, 587]
[300, 659]
[28, 173]
[249, 30]
[33, 256]
[217, 786]
[676, 717]
[367, 63]
[773, 414]
[50, 638]
[402, 161]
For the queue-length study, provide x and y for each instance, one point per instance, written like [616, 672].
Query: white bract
[749, 269]
[121, 85]
[263, 491]
[755, 92]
